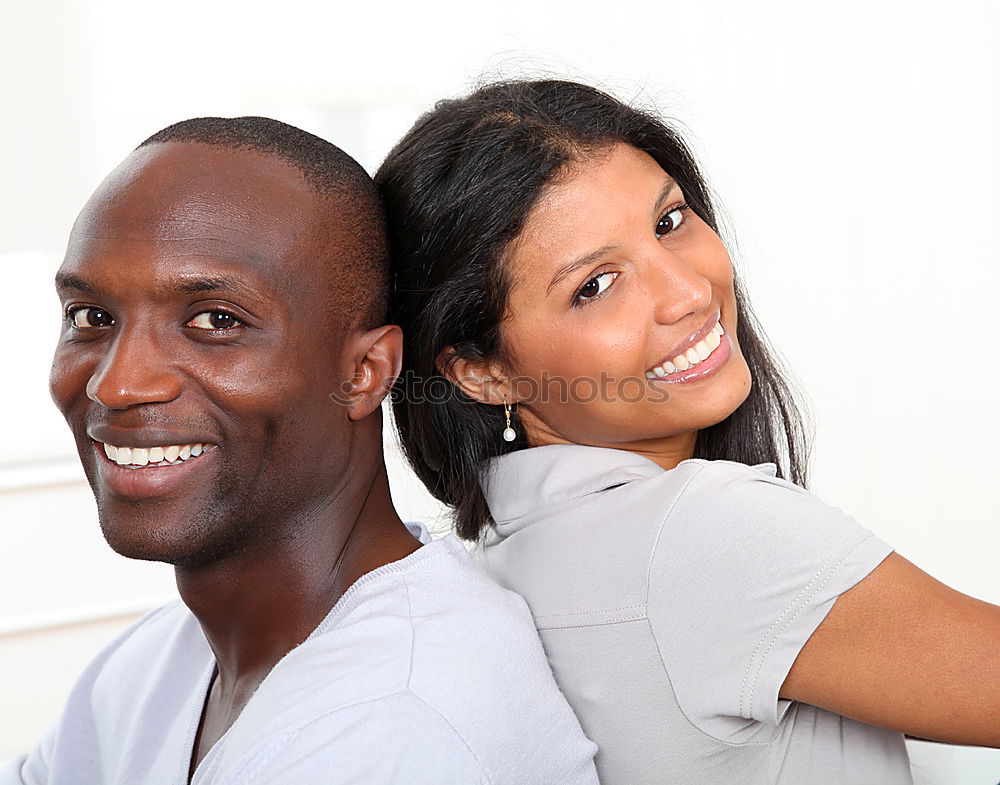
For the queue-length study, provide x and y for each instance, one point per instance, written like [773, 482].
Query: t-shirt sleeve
[745, 568]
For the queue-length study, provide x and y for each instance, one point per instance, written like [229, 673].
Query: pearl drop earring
[508, 433]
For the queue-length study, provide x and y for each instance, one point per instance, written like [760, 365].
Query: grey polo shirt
[672, 604]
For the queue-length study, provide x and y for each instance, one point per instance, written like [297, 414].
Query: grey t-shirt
[671, 606]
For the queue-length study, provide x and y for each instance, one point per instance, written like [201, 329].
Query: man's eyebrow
[214, 283]
[72, 281]
[192, 285]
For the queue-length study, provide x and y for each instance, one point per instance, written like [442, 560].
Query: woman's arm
[903, 651]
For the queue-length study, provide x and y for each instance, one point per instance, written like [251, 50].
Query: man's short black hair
[356, 214]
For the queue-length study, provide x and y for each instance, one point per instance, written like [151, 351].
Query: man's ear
[377, 357]
[482, 380]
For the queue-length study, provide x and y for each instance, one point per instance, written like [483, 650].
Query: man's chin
[150, 532]
[143, 544]
[180, 540]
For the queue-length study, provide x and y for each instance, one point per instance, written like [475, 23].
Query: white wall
[853, 143]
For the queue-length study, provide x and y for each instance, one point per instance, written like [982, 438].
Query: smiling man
[221, 283]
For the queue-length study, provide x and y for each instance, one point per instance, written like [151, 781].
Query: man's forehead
[169, 181]
[197, 199]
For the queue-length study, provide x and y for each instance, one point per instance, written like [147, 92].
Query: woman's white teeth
[696, 354]
[156, 456]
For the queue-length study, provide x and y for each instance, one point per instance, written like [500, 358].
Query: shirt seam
[412, 691]
[680, 708]
[622, 620]
[636, 606]
[793, 610]
[652, 632]
[413, 632]
[385, 572]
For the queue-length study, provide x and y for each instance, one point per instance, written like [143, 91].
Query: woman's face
[618, 293]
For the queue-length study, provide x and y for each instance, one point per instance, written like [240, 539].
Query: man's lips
[157, 455]
[149, 480]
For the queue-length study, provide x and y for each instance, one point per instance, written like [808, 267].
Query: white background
[853, 144]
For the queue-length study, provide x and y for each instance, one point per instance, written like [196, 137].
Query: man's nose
[133, 372]
[680, 288]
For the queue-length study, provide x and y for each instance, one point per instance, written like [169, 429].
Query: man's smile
[139, 457]
[133, 472]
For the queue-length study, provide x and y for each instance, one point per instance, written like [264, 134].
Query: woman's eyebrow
[572, 266]
[664, 196]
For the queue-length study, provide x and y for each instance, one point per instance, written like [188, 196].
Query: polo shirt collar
[524, 482]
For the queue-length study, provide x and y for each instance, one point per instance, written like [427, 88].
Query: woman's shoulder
[702, 489]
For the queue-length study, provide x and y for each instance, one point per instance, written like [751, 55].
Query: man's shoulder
[477, 661]
[428, 642]
[405, 624]
[452, 585]
[151, 644]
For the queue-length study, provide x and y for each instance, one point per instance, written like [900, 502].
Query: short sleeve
[744, 569]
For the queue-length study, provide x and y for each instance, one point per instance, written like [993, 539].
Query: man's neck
[258, 604]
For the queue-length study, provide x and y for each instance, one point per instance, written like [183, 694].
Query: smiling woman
[709, 619]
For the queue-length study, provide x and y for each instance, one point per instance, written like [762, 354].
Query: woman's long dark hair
[458, 188]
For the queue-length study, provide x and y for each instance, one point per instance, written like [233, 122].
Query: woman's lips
[718, 358]
[696, 351]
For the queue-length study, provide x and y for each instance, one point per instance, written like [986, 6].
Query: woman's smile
[703, 357]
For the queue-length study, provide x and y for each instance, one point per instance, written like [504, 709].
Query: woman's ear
[377, 357]
[481, 380]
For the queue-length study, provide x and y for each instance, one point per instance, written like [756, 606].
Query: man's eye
[88, 317]
[671, 220]
[214, 320]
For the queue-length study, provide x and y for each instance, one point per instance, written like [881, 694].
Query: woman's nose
[678, 287]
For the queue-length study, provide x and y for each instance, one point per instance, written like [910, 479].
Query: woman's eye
[596, 286]
[88, 317]
[670, 221]
[214, 320]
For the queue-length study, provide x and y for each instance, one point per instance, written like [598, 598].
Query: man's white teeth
[156, 456]
[696, 354]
